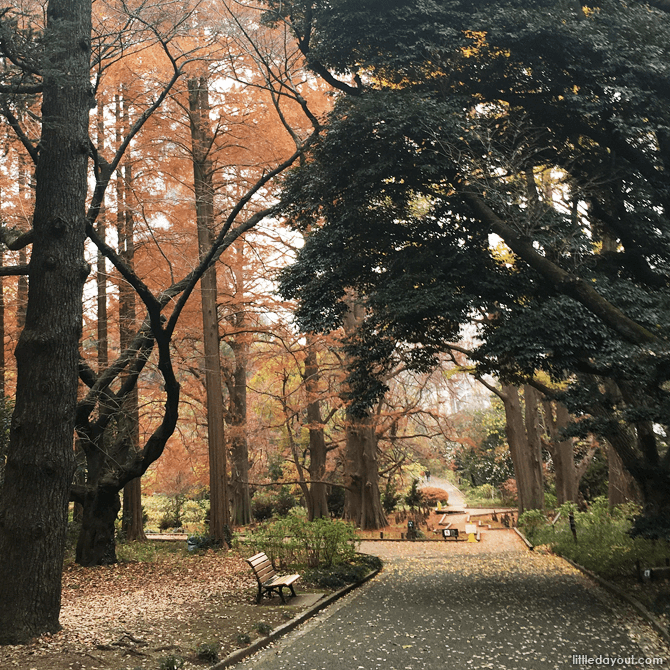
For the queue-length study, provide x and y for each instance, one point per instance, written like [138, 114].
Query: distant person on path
[427, 476]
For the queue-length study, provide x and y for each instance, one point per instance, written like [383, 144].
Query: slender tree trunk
[2, 332]
[238, 401]
[201, 142]
[132, 522]
[101, 276]
[515, 433]
[317, 501]
[241, 498]
[22, 284]
[102, 321]
[40, 464]
[97, 522]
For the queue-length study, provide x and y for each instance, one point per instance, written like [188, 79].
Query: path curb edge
[653, 620]
[257, 645]
[612, 588]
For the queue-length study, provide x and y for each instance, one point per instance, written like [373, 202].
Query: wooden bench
[267, 578]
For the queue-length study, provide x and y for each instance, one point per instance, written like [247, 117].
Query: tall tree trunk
[40, 464]
[524, 456]
[132, 522]
[101, 275]
[515, 432]
[317, 501]
[362, 500]
[22, 285]
[2, 332]
[533, 438]
[201, 142]
[621, 486]
[102, 321]
[96, 544]
[562, 451]
[241, 497]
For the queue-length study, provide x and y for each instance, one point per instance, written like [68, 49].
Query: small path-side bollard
[573, 526]
[411, 530]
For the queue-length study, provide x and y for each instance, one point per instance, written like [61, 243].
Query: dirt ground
[134, 615]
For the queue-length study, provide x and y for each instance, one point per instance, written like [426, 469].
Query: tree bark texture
[96, 544]
[40, 464]
[532, 419]
[22, 285]
[635, 445]
[2, 332]
[132, 522]
[621, 486]
[201, 142]
[524, 456]
[557, 418]
[317, 500]
[362, 500]
[241, 498]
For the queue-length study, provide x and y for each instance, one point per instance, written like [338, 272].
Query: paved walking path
[460, 606]
[456, 498]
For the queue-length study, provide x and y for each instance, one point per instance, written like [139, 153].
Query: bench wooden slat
[258, 559]
[267, 578]
[266, 574]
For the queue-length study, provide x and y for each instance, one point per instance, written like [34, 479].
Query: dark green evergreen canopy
[504, 164]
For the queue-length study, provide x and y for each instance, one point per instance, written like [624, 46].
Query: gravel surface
[460, 606]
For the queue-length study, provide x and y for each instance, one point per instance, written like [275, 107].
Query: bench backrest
[262, 567]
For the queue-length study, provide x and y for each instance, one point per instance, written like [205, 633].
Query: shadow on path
[439, 606]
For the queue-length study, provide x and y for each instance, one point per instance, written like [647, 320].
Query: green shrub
[171, 662]
[265, 505]
[263, 628]
[414, 497]
[172, 512]
[243, 639]
[262, 506]
[390, 497]
[208, 651]
[531, 523]
[338, 576]
[604, 544]
[487, 491]
[550, 500]
[294, 540]
[485, 495]
[335, 501]
[204, 542]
